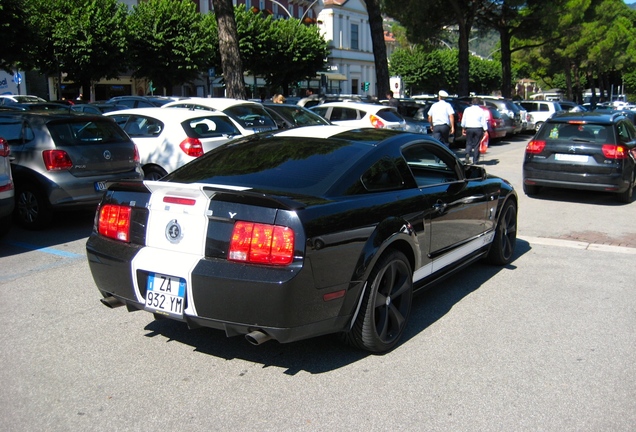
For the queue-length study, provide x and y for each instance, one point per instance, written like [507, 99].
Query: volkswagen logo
[107, 155]
[173, 231]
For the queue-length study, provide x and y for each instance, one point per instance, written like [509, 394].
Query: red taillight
[4, 148]
[376, 122]
[114, 222]
[613, 151]
[136, 157]
[192, 147]
[55, 160]
[535, 146]
[261, 244]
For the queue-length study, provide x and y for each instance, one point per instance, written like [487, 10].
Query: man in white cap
[441, 116]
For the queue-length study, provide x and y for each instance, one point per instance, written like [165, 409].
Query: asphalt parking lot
[546, 343]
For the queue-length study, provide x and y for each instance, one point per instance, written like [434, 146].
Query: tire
[386, 305]
[154, 173]
[626, 197]
[503, 245]
[531, 189]
[537, 126]
[32, 210]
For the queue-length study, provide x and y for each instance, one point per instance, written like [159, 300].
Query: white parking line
[578, 245]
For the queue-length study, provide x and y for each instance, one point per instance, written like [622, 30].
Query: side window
[543, 107]
[144, 127]
[624, 132]
[320, 111]
[382, 176]
[430, 165]
[15, 131]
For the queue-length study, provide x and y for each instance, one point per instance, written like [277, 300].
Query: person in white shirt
[474, 125]
[441, 116]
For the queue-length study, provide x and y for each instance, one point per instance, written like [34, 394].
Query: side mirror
[474, 172]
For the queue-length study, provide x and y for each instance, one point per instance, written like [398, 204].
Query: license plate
[165, 294]
[100, 186]
[570, 157]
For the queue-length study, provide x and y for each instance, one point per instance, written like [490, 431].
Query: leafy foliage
[167, 41]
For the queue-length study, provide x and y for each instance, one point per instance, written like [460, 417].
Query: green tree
[167, 42]
[15, 34]
[283, 51]
[82, 38]
[90, 40]
[427, 19]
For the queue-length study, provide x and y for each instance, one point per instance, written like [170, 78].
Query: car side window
[11, 130]
[382, 176]
[625, 134]
[338, 113]
[429, 166]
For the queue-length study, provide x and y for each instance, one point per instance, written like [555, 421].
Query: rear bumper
[232, 297]
[608, 182]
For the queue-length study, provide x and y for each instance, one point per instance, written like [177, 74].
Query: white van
[540, 111]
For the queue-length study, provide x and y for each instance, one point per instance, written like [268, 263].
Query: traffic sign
[17, 78]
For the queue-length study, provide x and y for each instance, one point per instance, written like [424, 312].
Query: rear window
[285, 164]
[85, 132]
[250, 116]
[389, 115]
[575, 132]
[209, 127]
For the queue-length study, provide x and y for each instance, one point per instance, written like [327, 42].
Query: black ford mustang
[298, 233]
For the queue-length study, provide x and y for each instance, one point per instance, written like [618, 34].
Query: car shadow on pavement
[327, 353]
[66, 227]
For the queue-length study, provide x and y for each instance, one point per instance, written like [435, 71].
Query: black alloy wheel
[31, 207]
[154, 173]
[386, 305]
[503, 245]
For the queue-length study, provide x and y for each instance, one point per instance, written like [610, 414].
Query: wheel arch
[392, 233]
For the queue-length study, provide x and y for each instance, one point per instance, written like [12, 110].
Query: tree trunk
[229, 49]
[464, 59]
[506, 70]
[379, 48]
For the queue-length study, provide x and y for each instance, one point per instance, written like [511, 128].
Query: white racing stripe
[453, 256]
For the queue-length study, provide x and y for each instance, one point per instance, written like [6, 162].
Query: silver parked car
[64, 161]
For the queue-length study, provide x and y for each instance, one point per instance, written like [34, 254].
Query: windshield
[251, 116]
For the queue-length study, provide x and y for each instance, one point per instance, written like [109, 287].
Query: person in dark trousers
[441, 116]
[474, 125]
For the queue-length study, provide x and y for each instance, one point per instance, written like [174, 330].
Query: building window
[291, 10]
[301, 11]
[248, 4]
[261, 5]
[354, 37]
[354, 86]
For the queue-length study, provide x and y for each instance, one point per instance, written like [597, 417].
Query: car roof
[587, 116]
[216, 103]
[167, 113]
[357, 105]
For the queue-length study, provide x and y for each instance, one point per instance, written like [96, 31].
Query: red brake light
[114, 222]
[180, 201]
[192, 147]
[56, 160]
[613, 151]
[4, 148]
[261, 243]
[376, 122]
[535, 146]
[136, 157]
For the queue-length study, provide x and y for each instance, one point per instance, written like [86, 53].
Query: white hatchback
[169, 138]
[248, 116]
[361, 115]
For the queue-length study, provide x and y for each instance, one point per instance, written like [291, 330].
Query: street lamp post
[290, 15]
